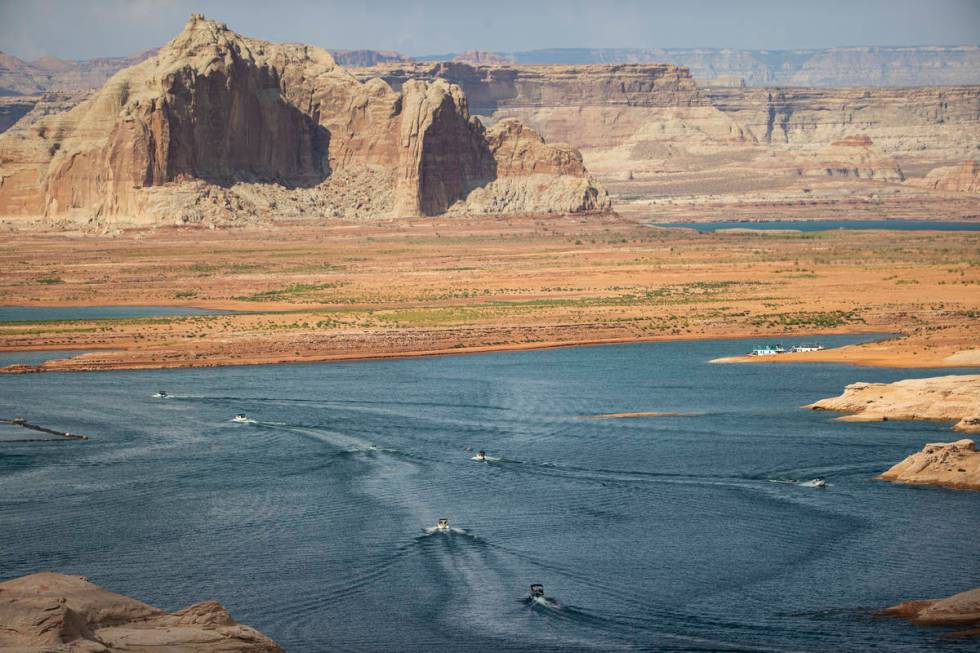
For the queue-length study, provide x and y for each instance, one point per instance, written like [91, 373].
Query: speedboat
[442, 525]
[162, 394]
[537, 591]
[817, 482]
[241, 419]
[481, 456]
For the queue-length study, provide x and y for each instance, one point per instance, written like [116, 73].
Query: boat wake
[435, 530]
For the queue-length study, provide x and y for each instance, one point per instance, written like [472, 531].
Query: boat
[241, 419]
[481, 456]
[817, 482]
[537, 591]
[161, 395]
[442, 525]
[767, 350]
[799, 349]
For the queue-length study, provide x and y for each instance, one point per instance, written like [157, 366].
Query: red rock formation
[216, 107]
[55, 612]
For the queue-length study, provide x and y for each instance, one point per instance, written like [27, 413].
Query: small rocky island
[954, 464]
[961, 609]
[53, 612]
[954, 397]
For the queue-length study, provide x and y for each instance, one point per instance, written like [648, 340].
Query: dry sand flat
[454, 285]
[57, 613]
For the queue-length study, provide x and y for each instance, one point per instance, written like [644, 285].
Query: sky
[83, 29]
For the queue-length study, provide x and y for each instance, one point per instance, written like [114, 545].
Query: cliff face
[218, 109]
[55, 612]
[493, 87]
[938, 123]
[645, 120]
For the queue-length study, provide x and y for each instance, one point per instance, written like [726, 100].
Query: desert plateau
[608, 326]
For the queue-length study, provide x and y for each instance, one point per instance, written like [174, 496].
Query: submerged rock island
[54, 612]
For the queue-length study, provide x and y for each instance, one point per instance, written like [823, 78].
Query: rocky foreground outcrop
[219, 126]
[961, 609]
[954, 397]
[52, 612]
[954, 464]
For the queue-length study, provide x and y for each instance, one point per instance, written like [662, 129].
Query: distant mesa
[361, 58]
[164, 141]
[482, 57]
[829, 67]
[55, 612]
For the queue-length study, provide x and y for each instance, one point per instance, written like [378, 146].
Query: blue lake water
[36, 357]
[53, 313]
[827, 225]
[657, 533]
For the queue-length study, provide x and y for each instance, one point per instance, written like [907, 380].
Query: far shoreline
[876, 337]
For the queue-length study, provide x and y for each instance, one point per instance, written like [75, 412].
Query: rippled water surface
[54, 313]
[650, 533]
[825, 225]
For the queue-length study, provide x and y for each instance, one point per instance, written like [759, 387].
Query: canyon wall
[650, 119]
[938, 123]
[218, 124]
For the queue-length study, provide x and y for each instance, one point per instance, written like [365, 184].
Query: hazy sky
[78, 29]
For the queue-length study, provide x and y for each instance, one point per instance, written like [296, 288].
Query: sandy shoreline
[57, 365]
[77, 364]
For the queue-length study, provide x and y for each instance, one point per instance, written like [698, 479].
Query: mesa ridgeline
[219, 127]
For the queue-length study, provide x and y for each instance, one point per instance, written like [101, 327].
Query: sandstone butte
[961, 609]
[962, 178]
[217, 126]
[53, 612]
[956, 464]
[954, 398]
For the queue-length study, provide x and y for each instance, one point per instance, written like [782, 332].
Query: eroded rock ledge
[53, 612]
[961, 609]
[953, 464]
[954, 397]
